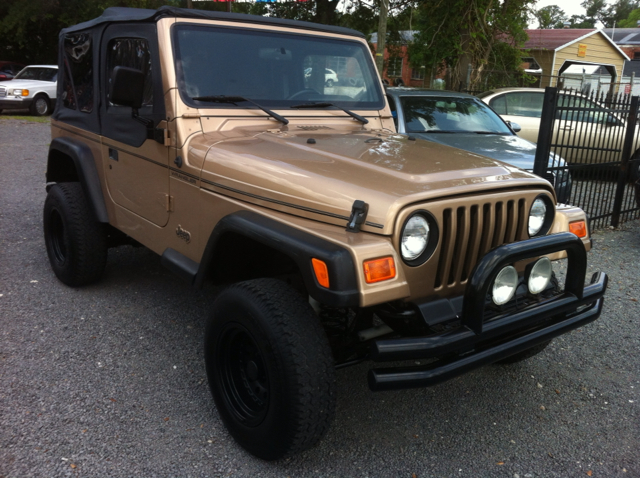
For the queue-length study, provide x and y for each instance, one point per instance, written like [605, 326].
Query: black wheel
[270, 368]
[76, 243]
[329, 83]
[40, 106]
[525, 354]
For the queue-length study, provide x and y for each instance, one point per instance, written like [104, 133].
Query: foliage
[551, 16]
[470, 36]
[609, 15]
[30, 29]
[632, 20]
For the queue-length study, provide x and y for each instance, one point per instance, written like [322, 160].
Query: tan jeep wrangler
[216, 141]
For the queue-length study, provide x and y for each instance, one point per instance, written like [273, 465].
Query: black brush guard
[505, 335]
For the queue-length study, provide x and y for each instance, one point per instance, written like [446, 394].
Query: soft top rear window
[274, 69]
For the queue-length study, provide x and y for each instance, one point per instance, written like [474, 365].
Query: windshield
[37, 73]
[274, 69]
[424, 114]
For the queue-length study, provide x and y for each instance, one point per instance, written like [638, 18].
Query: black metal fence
[597, 139]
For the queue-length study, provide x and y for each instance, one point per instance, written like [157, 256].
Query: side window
[499, 104]
[525, 104]
[78, 73]
[132, 53]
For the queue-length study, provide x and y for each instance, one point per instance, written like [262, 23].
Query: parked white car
[33, 88]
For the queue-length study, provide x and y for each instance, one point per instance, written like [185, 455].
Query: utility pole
[382, 35]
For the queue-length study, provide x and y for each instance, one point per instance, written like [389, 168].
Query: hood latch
[359, 212]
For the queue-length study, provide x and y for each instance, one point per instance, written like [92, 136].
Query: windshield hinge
[359, 212]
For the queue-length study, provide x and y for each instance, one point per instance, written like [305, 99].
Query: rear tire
[76, 242]
[270, 368]
[525, 354]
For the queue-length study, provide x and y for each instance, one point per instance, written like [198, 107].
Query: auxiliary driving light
[540, 275]
[505, 285]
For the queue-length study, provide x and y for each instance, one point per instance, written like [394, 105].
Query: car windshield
[38, 73]
[424, 114]
[274, 69]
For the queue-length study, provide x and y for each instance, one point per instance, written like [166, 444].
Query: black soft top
[122, 14]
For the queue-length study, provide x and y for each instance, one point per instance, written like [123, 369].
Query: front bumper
[477, 341]
[15, 103]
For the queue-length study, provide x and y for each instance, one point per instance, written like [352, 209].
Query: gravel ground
[109, 380]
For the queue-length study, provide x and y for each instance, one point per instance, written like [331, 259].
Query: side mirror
[514, 126]
[127, 87]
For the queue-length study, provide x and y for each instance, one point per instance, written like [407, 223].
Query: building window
[395, 67]
[417, 73]
[636, 55]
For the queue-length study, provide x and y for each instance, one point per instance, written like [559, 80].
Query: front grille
[3, 92]
[469, 232]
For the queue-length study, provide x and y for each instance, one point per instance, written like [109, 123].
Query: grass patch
[35, 119]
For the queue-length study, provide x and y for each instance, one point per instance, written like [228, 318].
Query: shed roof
[557, 39]
[623, 36]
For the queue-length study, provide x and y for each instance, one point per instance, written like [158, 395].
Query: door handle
[113, 154]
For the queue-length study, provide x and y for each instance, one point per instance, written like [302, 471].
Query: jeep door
[136, 164]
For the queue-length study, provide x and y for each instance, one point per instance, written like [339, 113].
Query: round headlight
[415, 237]
[537, 216]
[505, 285]
[540, 275]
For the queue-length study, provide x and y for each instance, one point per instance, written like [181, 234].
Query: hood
[319, 174]
[28, 84]
[508, 148]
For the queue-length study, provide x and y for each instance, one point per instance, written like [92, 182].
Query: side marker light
[321, 271]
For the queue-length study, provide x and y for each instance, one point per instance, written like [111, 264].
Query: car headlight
[504, 287]
[540, 275]
[536, 216]
[415, 237]
[17, 92]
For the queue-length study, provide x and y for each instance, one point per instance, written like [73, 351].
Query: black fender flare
[86, 169]
[298, 245]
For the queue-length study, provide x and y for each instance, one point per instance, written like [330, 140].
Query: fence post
[547, 118]
[624, 164]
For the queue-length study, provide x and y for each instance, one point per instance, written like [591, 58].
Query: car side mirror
[514, 126]
[127, 87]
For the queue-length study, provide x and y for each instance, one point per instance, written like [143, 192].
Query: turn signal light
[579, 228]
[379, 269]
[321, 271]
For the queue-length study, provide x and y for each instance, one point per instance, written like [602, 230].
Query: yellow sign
[582, 49]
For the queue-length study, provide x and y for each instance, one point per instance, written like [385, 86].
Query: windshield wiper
[326, 105]
[486, 132]
[436, 131]
[235, 99]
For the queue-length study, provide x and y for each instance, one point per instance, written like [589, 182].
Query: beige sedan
[588, 134]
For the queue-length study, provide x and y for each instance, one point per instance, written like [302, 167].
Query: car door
[137, 165]
[522, 107]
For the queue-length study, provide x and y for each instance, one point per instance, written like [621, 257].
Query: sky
[570, 7]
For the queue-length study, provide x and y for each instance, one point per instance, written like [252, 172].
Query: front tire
[76, 242]
[41, 106]
[270, 368]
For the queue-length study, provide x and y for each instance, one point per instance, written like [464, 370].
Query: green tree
[551, 16]
[470, 36]
[596, 10]
[581, 21]
[617, 12]
[632, 20]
